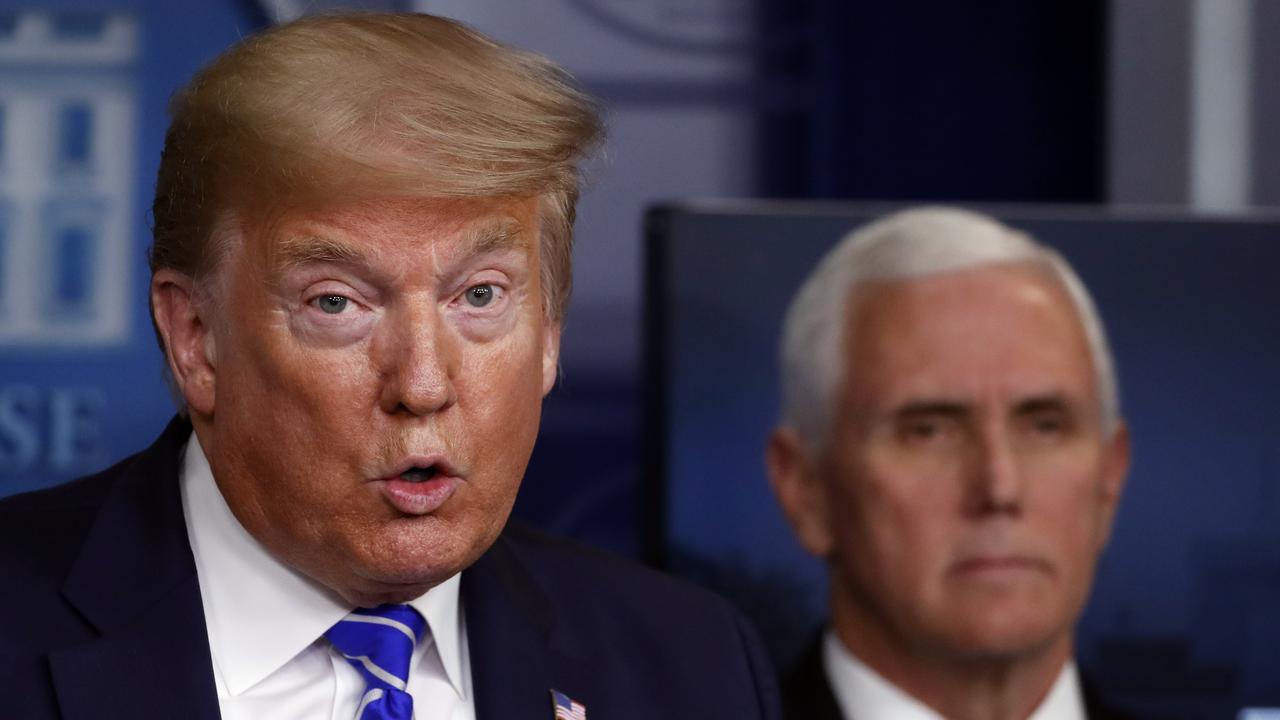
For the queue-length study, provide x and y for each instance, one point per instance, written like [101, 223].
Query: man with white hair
[952, 448]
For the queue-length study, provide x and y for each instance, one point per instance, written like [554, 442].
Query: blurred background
[1138, 135]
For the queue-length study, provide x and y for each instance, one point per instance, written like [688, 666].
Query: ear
[187, 336]
[550, 354]
[1115, 469]
[794, 475]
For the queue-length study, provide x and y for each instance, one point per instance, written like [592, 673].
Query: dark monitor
[1183, 618]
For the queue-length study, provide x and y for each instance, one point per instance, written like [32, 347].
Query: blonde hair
[363, 105]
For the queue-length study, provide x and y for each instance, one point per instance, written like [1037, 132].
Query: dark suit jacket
[807, 694]
[100, 617]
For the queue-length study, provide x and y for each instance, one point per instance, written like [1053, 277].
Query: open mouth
[421, 489]
[420, 474]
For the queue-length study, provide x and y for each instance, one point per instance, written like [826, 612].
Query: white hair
[910, 244]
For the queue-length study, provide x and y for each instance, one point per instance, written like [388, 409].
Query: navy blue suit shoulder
[40, 536]
[668, 649]
[42, 531]
[102, 576]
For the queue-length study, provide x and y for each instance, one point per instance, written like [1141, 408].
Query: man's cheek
[319, 371]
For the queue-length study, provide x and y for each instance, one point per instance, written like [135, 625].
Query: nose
[998, 485]
[419, 364]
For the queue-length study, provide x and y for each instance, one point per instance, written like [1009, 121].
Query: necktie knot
[379, 644]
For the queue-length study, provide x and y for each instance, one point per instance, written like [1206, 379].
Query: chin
[1004, 638]
[419, 555]
[393, 580]
[372, 597]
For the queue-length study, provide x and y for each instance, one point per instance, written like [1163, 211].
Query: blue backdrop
[83, 90]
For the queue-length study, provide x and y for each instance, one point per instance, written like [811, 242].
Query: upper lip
[434, 460]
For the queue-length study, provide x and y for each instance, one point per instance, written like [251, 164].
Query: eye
[331, 304]
[1048, 425]
[479, 295]
[922, 430]
[928, 430]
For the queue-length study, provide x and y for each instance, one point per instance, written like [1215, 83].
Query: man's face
[969, 483]
[379, 370]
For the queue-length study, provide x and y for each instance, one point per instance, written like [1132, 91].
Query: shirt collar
[1065, 701]
[441, 608]
[260, 613]
[863, 694]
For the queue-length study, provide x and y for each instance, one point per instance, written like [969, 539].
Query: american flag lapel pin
[566, 708]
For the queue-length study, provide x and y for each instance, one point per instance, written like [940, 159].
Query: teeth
[418, 474]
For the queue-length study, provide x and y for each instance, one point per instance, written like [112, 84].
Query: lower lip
[419, 498]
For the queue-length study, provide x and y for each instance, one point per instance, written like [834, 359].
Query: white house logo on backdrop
[67, 126]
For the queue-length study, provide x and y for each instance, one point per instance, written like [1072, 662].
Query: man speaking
[952, 447]
[362, 239]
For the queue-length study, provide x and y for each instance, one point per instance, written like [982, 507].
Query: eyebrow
[504, 234]
[1043, 403]
[501, 235]
[931, 407]
[956, 409]
[307, 249]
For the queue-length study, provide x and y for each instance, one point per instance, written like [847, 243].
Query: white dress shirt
[266, 624]
[863, 694]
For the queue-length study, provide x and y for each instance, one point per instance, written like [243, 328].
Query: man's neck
[1001, 688]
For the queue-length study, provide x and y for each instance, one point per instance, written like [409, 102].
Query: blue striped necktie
[379, 643]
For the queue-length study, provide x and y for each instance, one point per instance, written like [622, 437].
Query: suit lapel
[1094, 706]
[135, 582]
[806, 690]
[149, 668]
[517, 655]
